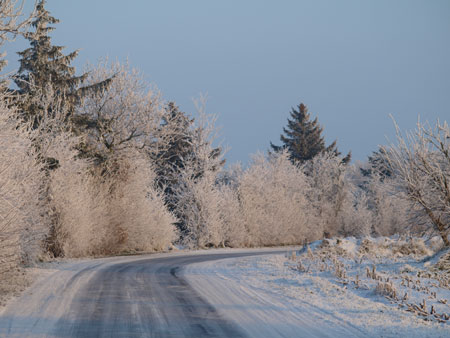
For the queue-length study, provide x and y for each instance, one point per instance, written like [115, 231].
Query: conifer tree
[46, 72]
[176, 146]
[377, 165]
[181, 154]
[176, 131]
[303, 138]
[169, 153]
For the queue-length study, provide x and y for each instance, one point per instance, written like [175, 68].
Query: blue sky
[352, 62]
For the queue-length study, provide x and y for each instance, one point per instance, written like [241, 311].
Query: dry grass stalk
[386, 289]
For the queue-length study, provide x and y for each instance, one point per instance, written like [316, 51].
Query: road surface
[140, 296]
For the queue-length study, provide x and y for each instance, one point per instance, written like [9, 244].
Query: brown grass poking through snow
[12, 283]
[395, 270]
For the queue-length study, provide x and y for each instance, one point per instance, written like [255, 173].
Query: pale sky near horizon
[352, 62]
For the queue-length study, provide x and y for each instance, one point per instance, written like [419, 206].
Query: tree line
[99, 163]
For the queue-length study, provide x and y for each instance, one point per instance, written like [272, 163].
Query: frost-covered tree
[195, 196]
[44, 68]
[389, 211]
[122, 212]
[115, 196]
[331, 196]
[420, 163]
[303, 137]
[124, 115]
[109, 205]
[173, 147]
[178, 136]
[22, 225]
[377, 165]
[137, 212]
[10, 27]
[272, 193]
[234, 231]
[102, 209]
[66, 192]
[22, 221]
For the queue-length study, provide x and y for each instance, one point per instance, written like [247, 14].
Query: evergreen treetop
[303, 138]
[176, 131]
[43, 64]
[44, 69]
[377, 165]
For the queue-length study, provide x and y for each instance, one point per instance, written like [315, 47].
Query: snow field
[400, 271]
[335, 288]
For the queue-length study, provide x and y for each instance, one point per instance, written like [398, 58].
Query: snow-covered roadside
[267, 296]
[43, 276]
[15, 283]
[12, 283]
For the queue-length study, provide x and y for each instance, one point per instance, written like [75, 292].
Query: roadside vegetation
[98, 163]
[408, 274]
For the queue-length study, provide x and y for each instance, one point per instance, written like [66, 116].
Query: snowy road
[139, 296]
[214, 293]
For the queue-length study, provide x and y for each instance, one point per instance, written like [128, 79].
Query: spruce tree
[303, 138]
[176, 140]
[175, 150]
[45, 71]
[377, 165]
[176, 145]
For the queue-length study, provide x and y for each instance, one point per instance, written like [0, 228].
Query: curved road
[141, 296]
